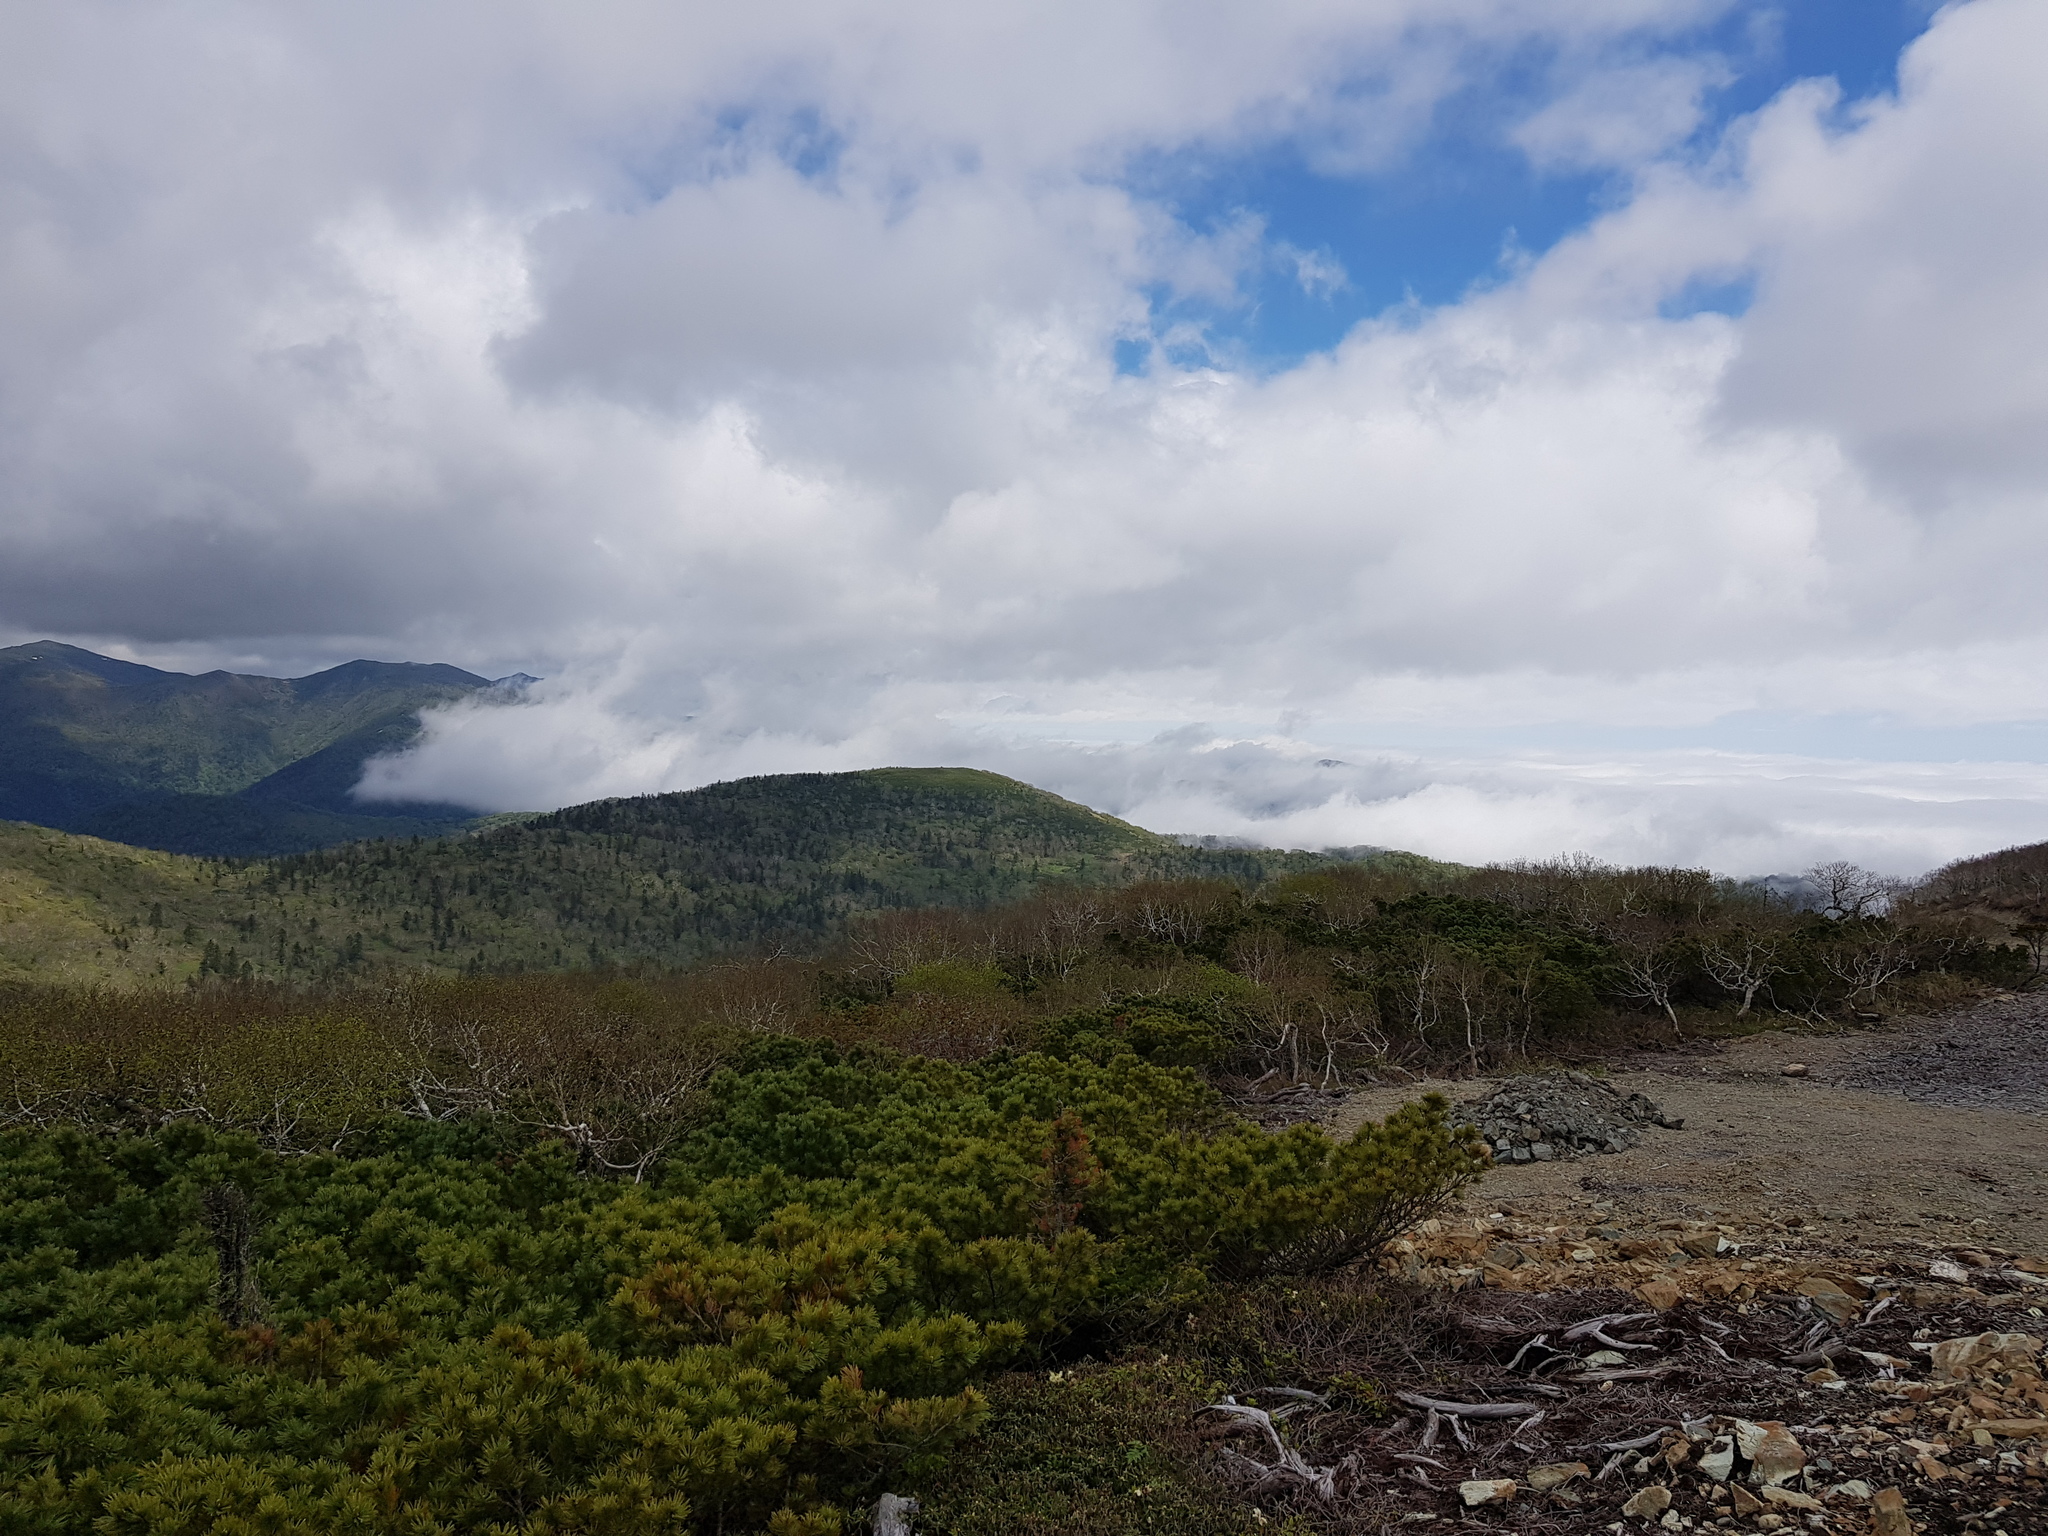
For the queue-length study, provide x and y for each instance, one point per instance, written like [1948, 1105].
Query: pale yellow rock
[1775, 1456]
[1557, 1474]
[1661, 1294]
[1790, 1498]
[1956, 1359]
[2016, 1429]
[1888, 1515]
[1649, 1502]
[1496, 1491]
[1831, 1299]
[1719, 1459]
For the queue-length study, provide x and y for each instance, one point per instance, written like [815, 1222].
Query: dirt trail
[1923, 1134]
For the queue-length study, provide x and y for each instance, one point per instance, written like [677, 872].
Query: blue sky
[1464, 204]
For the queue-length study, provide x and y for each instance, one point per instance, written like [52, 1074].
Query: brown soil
[1793, 1252]
[1874, 1165]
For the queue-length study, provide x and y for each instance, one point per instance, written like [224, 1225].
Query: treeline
[671, 879]
[2012, 880]
[1346, 970]
[1337, 976]
[662, 880]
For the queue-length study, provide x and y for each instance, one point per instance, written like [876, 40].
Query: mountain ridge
[215, 763]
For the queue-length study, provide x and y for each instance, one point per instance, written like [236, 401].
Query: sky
[1495, 428]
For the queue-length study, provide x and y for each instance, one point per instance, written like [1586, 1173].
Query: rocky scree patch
[1562, 1114]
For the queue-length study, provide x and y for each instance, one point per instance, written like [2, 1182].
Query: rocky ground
[1993, 1055]
[1845, 1270]
[1905, 1137]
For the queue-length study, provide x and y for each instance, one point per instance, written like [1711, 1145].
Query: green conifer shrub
[454, 1325]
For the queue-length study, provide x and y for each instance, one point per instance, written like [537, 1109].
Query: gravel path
[1990, 1056]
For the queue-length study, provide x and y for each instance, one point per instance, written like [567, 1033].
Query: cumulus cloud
[754, 376]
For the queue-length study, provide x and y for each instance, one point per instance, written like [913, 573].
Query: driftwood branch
[1469, 1410]
[1595, 1328]
[1628, 1445]
[1594, 1325]
[1624, 1373]
[1287, 1469]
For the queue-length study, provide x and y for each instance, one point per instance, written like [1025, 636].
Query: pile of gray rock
[1561, 1114]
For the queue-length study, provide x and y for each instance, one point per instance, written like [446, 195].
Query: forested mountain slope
[222, 763]
[661, 879]
[2012, 882]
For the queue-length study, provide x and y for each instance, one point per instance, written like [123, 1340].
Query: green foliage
[455, 1326]
[1166, 1036]
[663, 880]
[954, 978]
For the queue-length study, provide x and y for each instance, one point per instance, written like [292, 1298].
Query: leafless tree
[616, 1093]
[1261, 956]
[1422, 983]
[2034, 934]
[459, 1069]
[1869, 963]
[1173, 911]
[1066, 932]
[1744, 961]
[1343, 1034]
[1649, 959]
[893, 944]
[1849, 890]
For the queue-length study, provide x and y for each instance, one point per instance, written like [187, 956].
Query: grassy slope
[77, 909]
[665, 879]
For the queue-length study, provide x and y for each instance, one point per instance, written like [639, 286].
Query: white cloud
[1623, 115]
[1737, 813]
[755, 366]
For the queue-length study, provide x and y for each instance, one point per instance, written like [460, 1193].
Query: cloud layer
[757, 375]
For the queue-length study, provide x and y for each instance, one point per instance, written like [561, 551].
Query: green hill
[661, 879]
[220, 764]
[78, 909]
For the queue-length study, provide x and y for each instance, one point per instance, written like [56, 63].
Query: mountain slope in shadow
[221, 763]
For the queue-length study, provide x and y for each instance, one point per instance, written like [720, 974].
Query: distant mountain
[662, 879]
[221, 763]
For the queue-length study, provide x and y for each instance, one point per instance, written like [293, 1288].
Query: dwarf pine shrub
[455, 1326]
